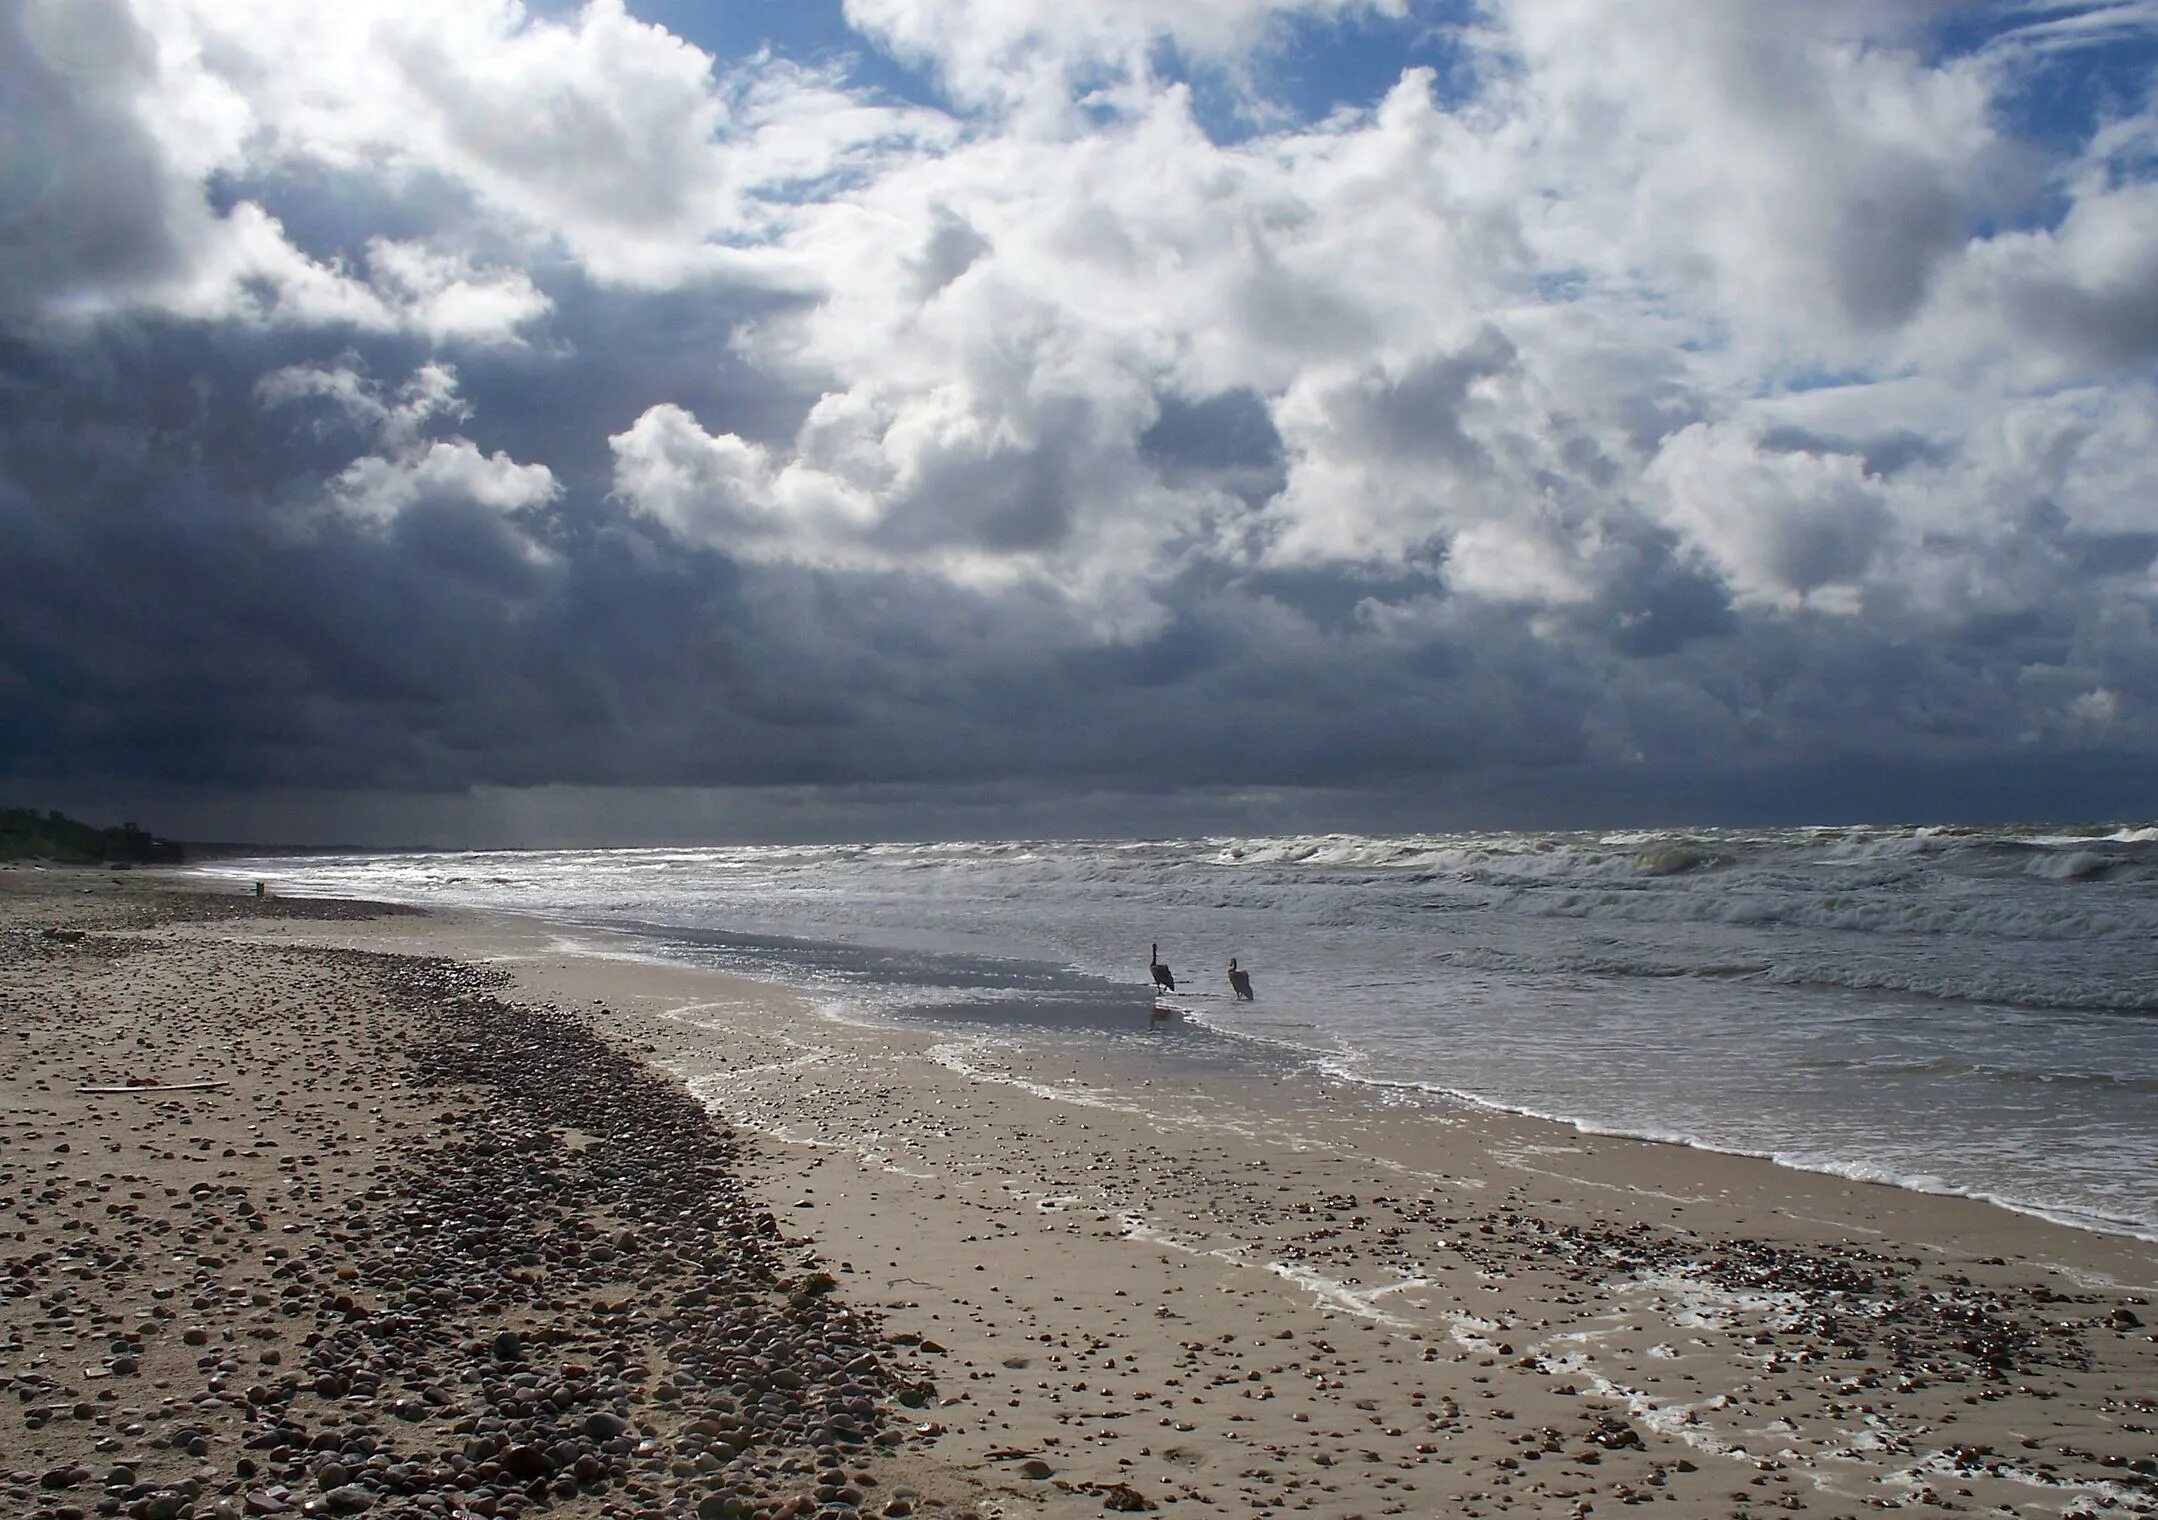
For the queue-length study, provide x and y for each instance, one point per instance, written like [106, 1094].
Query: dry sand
[1142, 1281]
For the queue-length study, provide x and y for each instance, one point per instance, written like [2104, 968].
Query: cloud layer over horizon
[1352, 395]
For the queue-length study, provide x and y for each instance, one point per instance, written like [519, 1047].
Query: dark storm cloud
[606, 358]
[1335, 600]
[179, 606]
[1658, 603]
[597, 361]
[180, 602]
[2129, 553]
[1227, 441]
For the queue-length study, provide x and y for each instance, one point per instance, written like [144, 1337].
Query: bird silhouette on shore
[1164, 979]
[1239, 981]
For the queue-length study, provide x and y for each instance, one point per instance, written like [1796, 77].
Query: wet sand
[1157, 1281]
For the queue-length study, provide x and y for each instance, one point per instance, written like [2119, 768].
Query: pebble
[486, 1310]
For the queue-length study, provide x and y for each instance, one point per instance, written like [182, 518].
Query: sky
[452, 421]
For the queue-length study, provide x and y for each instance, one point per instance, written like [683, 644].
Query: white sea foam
[1328, 1292]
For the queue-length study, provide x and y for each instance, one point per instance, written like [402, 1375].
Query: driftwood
[162, 1087]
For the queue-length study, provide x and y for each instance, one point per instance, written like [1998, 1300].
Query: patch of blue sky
[1800, 379]
[2067, 67]
[2062, 86]
[2064, 99]
[1322, 65]
[1317, 66]
[813, 33]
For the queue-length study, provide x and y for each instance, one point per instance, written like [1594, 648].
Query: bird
[1239, 981]
[1163, 977]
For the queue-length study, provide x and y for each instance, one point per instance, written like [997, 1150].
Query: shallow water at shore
[1960, 1011]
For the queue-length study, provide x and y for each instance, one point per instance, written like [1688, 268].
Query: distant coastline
[26, 834]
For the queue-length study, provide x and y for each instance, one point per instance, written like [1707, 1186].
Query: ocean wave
[2072, 865]
[1998, 986]
[1612, 963]
[1678, 859]
[1859, 910]
[1967, 983]
[1961, 1068]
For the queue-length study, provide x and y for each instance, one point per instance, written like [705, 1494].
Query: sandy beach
[486, 1217]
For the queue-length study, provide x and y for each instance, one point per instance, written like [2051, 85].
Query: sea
[1954, 1010]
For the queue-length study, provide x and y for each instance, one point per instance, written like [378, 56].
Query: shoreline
[2082, 1223]
[1301, 1064]
[2090, 1201]
[1227, 1290]
[1008, 1172]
